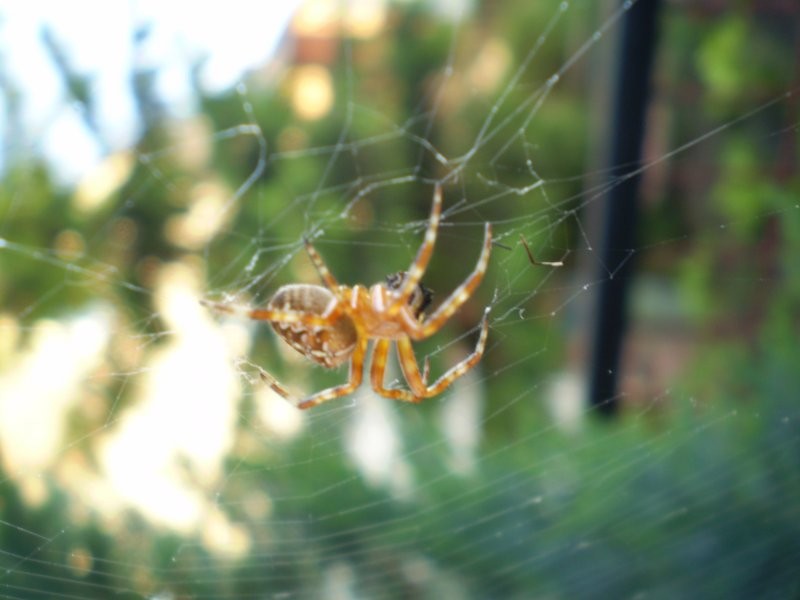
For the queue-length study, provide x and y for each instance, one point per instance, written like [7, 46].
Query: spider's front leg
[417, 268]
[456, 299]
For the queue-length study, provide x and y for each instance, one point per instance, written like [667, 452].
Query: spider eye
[420, 299]
[395, 280]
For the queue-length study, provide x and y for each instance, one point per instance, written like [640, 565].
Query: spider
[332, 324]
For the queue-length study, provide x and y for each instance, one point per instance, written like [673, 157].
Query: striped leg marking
[420, 390]
[356, 376]
[460, 295]
[417, 268]
[322, 268]
[278, 316]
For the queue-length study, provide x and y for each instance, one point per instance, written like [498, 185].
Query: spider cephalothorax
[334, 323]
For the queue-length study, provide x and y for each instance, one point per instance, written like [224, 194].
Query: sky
[232, 37]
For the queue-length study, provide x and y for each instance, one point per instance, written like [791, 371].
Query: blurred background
[153, 157]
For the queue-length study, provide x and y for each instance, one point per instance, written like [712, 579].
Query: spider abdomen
[327, 346]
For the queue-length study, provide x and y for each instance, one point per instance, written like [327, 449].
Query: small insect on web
[538, 263]
[332, 324]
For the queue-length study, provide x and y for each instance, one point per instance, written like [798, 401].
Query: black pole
[620, 211]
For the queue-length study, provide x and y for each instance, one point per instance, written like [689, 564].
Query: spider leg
[278, 316]
[380, 352]
[417, 382]
[287, 316]
[426, 370]
[276, 386]
[377, 374]
[322, 268]
[378, 371]
[420, 390]
[354, 380]
[453, 302]
[417, 268]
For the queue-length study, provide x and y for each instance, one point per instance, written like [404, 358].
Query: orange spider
[332, 324]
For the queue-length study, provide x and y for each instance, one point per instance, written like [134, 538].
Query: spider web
[144, 458]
